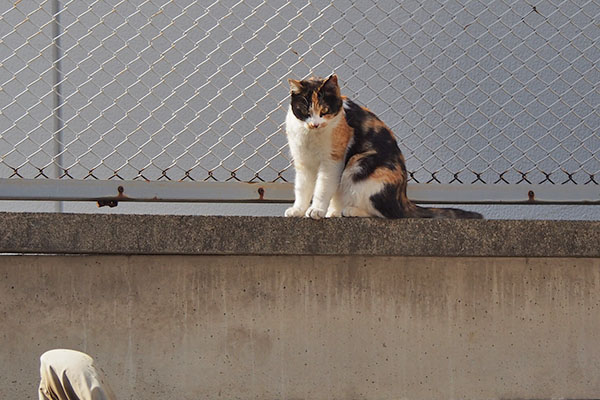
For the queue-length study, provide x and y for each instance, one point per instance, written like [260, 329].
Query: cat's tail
[423, 212]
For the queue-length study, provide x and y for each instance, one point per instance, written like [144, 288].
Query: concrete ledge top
[158, 234]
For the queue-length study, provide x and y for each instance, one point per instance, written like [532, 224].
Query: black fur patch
[301, 105]
[386, 202]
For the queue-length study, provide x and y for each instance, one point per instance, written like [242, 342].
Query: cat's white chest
[307, 145]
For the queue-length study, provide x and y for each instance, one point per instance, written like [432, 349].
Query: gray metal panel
[166, 191]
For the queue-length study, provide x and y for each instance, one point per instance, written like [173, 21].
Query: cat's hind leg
[356, 196]
[370, 190]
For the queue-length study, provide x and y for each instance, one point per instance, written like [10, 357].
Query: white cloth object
[71, 375]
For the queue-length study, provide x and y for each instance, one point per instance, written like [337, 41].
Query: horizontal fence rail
[489, 100]
[110, 192]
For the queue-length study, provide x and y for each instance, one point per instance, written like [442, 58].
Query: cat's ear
[332, 80]
[331, 84]
[295, 86]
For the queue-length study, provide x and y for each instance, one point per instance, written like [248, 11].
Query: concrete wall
[274, 308]
[308, 327]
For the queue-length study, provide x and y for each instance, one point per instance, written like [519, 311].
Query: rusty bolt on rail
[113, 203]
[261, 193]
[109, 203]
[531, 196]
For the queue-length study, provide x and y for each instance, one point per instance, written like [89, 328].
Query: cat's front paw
[315, 213]
[332, 213]
[294, 212]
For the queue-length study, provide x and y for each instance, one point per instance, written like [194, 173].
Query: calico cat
[346, 159]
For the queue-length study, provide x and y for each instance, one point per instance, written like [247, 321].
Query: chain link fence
[494, 92]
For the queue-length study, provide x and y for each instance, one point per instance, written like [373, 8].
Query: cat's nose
[313, 125]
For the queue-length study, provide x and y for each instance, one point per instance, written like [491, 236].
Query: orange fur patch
[357, 157]
[316, 106]
[387, 175]
[339, 140]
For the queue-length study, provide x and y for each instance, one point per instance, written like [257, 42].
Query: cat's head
[316, 101]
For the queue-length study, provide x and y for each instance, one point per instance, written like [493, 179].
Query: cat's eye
[324, 111]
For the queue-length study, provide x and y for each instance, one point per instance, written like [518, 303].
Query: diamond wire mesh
[476, 91]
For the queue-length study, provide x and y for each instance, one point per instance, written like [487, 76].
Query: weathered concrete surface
[308, 327]
[155, 234]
